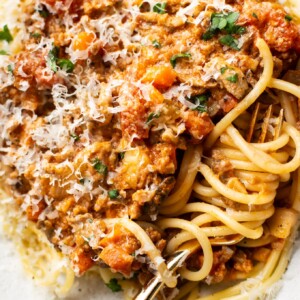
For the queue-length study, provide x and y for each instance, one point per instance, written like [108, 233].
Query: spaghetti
[101, 105]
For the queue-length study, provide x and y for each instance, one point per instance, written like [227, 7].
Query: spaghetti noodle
[102, 103]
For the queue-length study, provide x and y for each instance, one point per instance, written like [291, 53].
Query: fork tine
[278, 125]
[253, 122]
[155, 284]
[266, 122]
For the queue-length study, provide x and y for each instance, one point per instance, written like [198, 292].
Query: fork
[155, 284]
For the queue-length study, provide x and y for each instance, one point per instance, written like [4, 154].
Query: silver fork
[155, 284]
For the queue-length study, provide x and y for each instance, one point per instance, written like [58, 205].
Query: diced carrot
[160, 76]
[81, 259]
[83, 41]
[156, 96]
[117, 259]
[122, 237]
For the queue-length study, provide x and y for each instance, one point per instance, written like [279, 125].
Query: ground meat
[241, 262]
[31, 68]
[271, 20]
[163, 156]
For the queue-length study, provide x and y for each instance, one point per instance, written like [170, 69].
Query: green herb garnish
[201, 102]
[156, 44]
[122, 155]
[10, 69]
[3, 52]
[75, 137]
[230, 41]
[151, 117]
[44, 13]
[255, 15]
[113, 194]
[223, 22]
[114, 285]
[223, 70]
[234, 78]
[100, 167]
[5, 35]
[35, 35]
[66, 65]
[160, 8]
[174, 58]
[52, 58]
[288, 18]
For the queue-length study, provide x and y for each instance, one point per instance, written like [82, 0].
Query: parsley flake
[113, 194]
[174, 58]
[151, 117]
[10, 69]
[35, 35]
[255, 15]
[288, 18]
[234, 78]
[75, 137]
[5, 34]
[52, 58]
[223, 70]
[3, 52]
[44, 13]
[230, 41]
[100, 167]
[114, 285]
[122, 155]
[66, 65]
[160, 8]
[201, 102]
[156, 44]
[223, 22]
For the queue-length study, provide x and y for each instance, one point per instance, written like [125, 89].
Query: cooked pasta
[131, 130]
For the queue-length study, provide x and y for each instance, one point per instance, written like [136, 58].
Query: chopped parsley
[121, 155]
[65, 64]
[10, 69]
[35, 35]
[255, 15]
[44, 13]
[156, 44]
[288, 18]
[75, 137]
[160, 8]
[52, 58]
[151, 117]
[222, 22]
[3, 52]
[100, 167]
[82, 180]
[113, 194]
[5, 34]
[223, 70]
[230, 41]
[53, 61]
[201, 102]
[234, 78]
[114, 285]
[174, 58]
